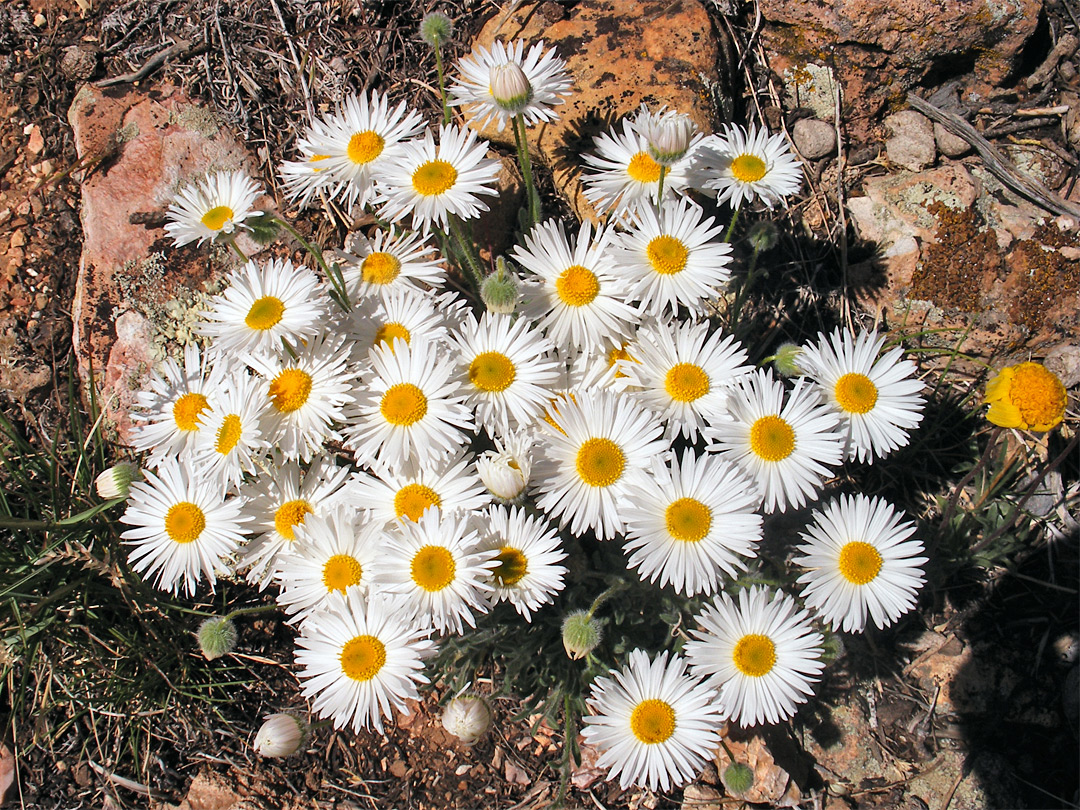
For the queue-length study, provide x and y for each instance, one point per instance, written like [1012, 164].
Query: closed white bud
[467, 717]
[510, 87]
[505, 471]
[669, 135]
[282, 735]
[115, 482]
[499, 292]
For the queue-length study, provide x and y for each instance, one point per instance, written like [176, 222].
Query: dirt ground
[990, 640]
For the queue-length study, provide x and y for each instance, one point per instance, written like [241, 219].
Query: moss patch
[955, 264]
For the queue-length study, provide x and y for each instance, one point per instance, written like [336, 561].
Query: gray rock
[950, 145]
[813, 138]
[911, 140]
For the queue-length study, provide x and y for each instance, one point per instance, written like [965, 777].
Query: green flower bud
[115, 482]
[435, 29]
[580, 634]
[763, 235]
[786, 360]
[738, 779]
[263, 227]
[499, 291]
[217, 637]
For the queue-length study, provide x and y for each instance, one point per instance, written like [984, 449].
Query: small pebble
[911, 140]
[950, 145]
[814, 138]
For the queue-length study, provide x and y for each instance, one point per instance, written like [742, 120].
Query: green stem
[522, 140]
[339, 294]
[442, 82]
[660, 191]
[731, 225]
[7, 522]
[249, 611]
[466, 250]
[598, 601]
[237, 250]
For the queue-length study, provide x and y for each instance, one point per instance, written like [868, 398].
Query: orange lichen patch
[1044, 276]
[954, 266]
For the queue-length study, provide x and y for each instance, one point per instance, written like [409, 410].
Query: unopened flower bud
[217, 637]
[435, 29]
[499, 292]
[669, 135]
[786, 360]
[580, 634]
[737, 778]
[467, 717]
[115, 482]
[281, 735]
[510, 87]
[505, 471]
[763, 235]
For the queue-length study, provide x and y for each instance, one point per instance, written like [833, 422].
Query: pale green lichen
[812, 86]
[197, 119]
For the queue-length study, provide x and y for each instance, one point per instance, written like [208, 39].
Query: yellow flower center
[771, 438]
[362, 657]
[215, 218]
[492, 372]
[403, 404]
[290, 390]
[388, 332]
[577, 286]
[859, 562]
[264, 313]
[434, 177]
[652, 721]
[380, 268]
[186, 410]
[688, 519]
[600, 462]
[754, 655]
[748, 168]
[228, 434]
[513, 565]
[341, 571]
[412, 499]
[614, 355]
[667, 255]
[433, 568]
[1027, 396]
[184, 522]
[643, 168]
[855, 393]
[686, 382]
[290, 515]
[365, 146]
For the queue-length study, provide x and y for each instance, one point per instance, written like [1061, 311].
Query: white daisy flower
[762, 654]
[361, 660]
[786, 443]
[692, 523]
[860, 561]
[507, 470]
[307, 394]
[306, 178]
[673, 259]
[405, 492]
[746, 164]
[434, 183]
[390, 260]
[361, 139]
[169, 416]
[528, 550]
[576, 297]
[504, 82]
[231, 439]
[625, 177]
[400, 314]
[505, 370]
[437, 563]
[214, 206]
[277, 502]
[184, 527]
[263, 305]
[878, 398]
[684, 374]
[602, 441]
[654, 725]
[333, 553]
[410, 406]
[600, 367]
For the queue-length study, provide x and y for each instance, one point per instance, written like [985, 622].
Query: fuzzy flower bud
[467, 717]
[786, 360]
[281, 735]
[499, 292]
[580, 634]
[505, 471]
[737, 778]
[435, 29]
[115, 482]
[510, 87]
[217, 637]
[763, 235]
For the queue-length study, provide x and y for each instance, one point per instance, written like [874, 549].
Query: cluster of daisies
[390, 470]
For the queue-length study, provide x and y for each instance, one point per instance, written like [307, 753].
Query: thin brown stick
[182, 47]
[997, 163]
